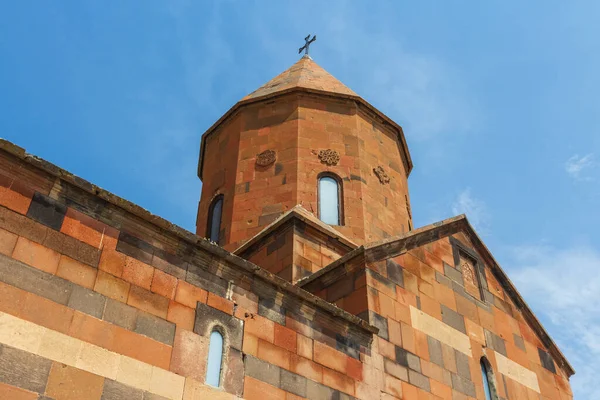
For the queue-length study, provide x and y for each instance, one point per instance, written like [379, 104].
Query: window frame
[210, 219]
[340, 194]
[486, 367]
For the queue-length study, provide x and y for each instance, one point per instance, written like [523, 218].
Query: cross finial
[307, 44]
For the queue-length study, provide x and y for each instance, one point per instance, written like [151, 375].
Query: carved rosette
[265, 158]
[329, 157]
[381, 175]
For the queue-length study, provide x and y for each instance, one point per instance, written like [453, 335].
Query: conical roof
[305, 74]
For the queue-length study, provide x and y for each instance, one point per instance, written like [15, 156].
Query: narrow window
[215, 359]
[486, 375]
[329, 200]
[214, 219]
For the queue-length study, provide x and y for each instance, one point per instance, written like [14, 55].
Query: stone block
[114, 390]
[98, 361]
[76, 272]
[495, 342]
[435, 351]
[233, 377]
[293, 383]
[36, 255]
[462, 365]
[145, 300]
[135, 247]
[188, 294]
[16, 273]
[207, 317]
[22, 225]
[58, 347]
[262, 370]
[137, 273]
[87, 301]
[68, 383]
[120, 314]
[134, 373]
[207, 280]
[182, 316]
[453, 319]
[21, 334]
[463, 385]
[453, 274]
[164, 284]
[316, 391]
[190, 352]
[381, 323]
[547, 361]
[47, 211]
[72, 247]
[418, 380]
[268, 308]
[519, 342]
[394, 273]
[155, 328]
[22, 369]
[395, 369]
[167, 384]
[112, 287]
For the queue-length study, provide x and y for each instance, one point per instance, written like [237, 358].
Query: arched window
[213, 228]
[329, 199]
[215, 359]
[486, 375]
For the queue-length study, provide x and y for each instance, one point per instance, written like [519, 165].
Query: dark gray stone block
[33, 280]
[435, 351]
[495, 342]
[87, 301]
[462, 365]
[117, 391]
[462, 385]
[443, 279]
[519, 342]
[155, 328]
[381, 323]
[454, 319]
[207, 317]
[418, 380]
[47, 211]
[316, 391]
[547, 361]
[293, 383]
[24, 370]
[271, 310]
[120, 314]
[262, 370]
[207, 280]
[453, 274]
[394, 272]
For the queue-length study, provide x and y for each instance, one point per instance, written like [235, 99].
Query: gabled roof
[400, 244]
[303, 74]
[302, 214]
[307, 76]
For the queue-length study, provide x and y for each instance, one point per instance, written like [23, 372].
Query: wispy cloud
[577, 166]
[474, 208]
[562, 285]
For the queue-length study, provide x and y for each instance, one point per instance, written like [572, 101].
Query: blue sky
[498, 100]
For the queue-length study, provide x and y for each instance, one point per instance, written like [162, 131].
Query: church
[305, 278]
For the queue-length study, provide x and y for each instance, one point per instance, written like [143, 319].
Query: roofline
[407, 160]
[400, 244]
[297, 213]
[185, 235]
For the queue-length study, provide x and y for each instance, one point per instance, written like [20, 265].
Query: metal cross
[308, 42]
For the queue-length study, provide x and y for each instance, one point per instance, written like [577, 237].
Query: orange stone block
[184, 317]
[188, 294]
[111, 286]
[76, 272]
[260, 327]
[250, 344]
[338, 381]
[164, 284]
[273, 354]
[142, 348]
[220, 303]
[306, 368]
[258, 390]
[36, 255]
[8, 242]
[146, 300]
[112, 262]
[408, 338]
[93, 330]
[329, 357]
[285, 337]
[68, 383]
[354, 369]
[12, 299]
[47, 313]
[14, 393]
[137, 273]
[16, 200]
[83, 228]
[409, 391]
[304, 346]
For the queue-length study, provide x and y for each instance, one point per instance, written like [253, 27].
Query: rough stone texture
[87, 301]
[120, 314]
[207, 317]
[47, 211]
[25, 370]
[262, 371]
[546, 360]
[117, 391]
[155, 328]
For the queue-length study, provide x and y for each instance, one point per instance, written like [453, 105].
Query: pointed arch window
[215, 359]
[329, 198]
[488, 380]
[215, 211]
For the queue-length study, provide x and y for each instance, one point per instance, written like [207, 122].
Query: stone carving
[381, 174]
[471, 280]
[265, 158]
[329, 157]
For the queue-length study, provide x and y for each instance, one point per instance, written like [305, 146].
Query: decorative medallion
[469, 270]
[265, 158]
[329, 157]
[382, 175]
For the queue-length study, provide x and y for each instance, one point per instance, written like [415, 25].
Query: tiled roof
[305, 74]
